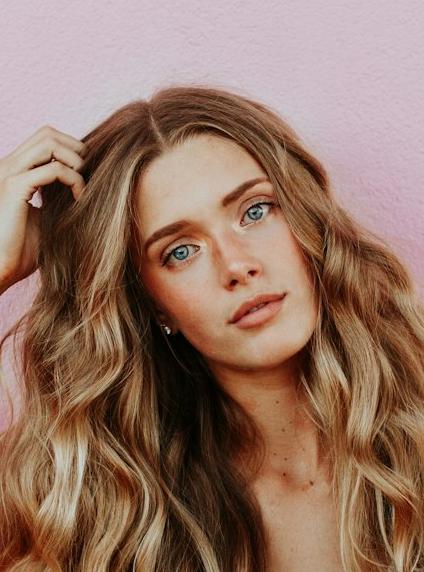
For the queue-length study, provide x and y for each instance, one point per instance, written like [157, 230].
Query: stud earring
[166, 329]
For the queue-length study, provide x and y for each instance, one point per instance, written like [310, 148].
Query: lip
[255, 301]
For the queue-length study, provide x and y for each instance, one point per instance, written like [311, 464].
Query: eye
[180, 251]
[257, 209]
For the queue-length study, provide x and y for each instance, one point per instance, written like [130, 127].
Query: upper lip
[255, 301]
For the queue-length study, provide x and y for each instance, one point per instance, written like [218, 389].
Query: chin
[261, 360]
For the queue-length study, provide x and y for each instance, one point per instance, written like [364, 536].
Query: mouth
[258, 310]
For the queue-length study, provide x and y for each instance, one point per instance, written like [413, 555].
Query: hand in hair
[46, 156]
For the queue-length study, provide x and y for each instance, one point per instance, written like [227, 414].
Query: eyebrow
[181, 224]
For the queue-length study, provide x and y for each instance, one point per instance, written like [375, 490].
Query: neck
[274, 400]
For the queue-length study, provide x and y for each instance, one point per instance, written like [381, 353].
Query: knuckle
[79, 164]
[50, 143]
[8, 182]
[58, 166]
[84, 149]
[48, 129]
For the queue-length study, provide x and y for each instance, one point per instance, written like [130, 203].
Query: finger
[29, 181]
[43, 152]
[48, 131]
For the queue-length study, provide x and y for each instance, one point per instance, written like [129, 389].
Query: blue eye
[257, 209]
[180, 251]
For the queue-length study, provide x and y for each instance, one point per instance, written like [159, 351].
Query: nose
[237, 261]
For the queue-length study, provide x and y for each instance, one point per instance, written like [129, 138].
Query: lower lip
[260, 316]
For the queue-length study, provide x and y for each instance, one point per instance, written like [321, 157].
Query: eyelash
[167, 254]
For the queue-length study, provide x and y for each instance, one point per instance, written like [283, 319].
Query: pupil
[258, 211]
[178, 253]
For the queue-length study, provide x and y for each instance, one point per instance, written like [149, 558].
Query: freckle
[283, 430]
[277, 402]
[284, 474]
[311, 482]
[274, 453]
[285, 458]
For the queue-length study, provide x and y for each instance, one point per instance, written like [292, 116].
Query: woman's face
[226, 253]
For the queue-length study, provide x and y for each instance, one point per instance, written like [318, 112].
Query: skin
[229, 255]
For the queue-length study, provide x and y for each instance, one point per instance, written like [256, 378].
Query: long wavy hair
[122, 455]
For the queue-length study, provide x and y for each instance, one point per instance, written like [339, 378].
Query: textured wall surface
[348, 76]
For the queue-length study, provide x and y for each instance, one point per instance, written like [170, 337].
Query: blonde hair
[120, 459]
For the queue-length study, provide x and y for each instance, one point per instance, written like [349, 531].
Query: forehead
[202, 168]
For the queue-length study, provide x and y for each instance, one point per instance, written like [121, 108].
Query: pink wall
[346, 75]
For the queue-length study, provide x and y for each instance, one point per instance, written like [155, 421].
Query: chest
[301, 527]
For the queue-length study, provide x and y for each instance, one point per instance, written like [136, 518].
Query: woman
[222, 370]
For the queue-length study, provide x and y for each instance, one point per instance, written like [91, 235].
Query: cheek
[187, 306]
[190, 311]
[193, 315]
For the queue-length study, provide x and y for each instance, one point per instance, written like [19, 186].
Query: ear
[162, 318]
[165, 319]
